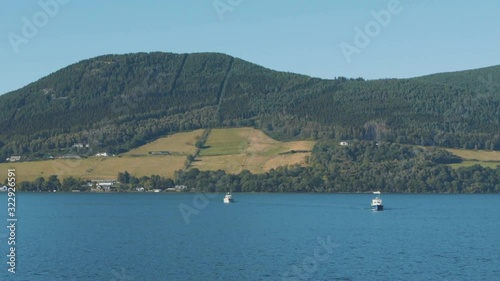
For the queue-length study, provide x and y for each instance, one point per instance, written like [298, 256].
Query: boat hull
[377, 207]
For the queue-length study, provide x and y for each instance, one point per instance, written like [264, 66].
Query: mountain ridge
[496, 68]
[117, 102]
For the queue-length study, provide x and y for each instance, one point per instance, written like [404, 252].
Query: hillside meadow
[228, 149]
[232, 150]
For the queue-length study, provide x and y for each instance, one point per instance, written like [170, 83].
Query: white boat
[228, 198]
[377, 202]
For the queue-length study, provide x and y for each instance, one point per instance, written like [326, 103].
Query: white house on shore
[180, 187]
[103, 184]
[13, 158]
[81, 145]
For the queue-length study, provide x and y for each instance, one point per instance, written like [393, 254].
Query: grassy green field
[479, 155]
[96, 167]
[492, 165]
[179, 144]
[138, 162]
[226, 142]
[485, 158]
[237, 149]
[230, 150]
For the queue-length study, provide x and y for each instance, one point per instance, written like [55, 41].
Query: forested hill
[116, 102]
[484, 81]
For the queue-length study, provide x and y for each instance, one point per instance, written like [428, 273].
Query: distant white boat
[377, 202]
[228, 198]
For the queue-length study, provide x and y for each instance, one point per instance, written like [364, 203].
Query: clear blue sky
[302, 36]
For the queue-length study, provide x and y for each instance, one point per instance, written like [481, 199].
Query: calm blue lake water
[259, 237]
